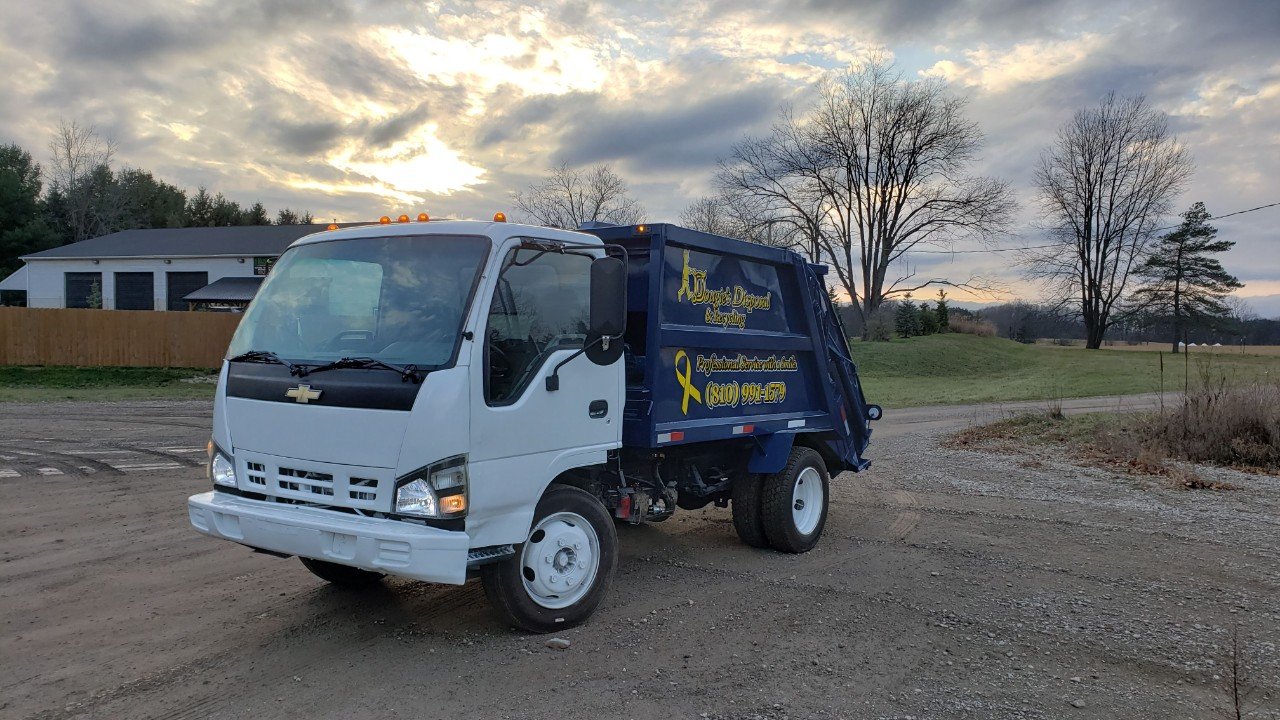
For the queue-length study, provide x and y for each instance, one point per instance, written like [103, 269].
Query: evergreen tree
[225, 212]
[1183, 281]
[95, 296]
[255, 214]
[906, 319]
[943, 312]
[199, 211]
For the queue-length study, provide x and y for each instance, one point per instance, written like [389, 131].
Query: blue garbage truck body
[737, 346]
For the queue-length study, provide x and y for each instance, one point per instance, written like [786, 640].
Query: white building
[155, 269]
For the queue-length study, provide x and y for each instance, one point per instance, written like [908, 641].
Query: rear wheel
[342, 575]
[746, 510]
[793, 504]
[560, 574]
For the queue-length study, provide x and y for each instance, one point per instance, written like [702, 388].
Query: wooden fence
[114, 338]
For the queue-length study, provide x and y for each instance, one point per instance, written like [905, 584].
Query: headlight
[438, 491]
[220, 469]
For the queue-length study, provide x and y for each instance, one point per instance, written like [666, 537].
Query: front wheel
[561, 573]
[793, 502]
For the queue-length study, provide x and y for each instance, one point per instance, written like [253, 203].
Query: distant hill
[1267, 306]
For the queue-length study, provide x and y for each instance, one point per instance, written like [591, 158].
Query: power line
[1052, 245]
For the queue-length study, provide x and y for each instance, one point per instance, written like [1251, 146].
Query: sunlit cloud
[423, 164]
[998, 71]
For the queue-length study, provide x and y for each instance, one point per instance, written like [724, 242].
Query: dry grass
[1199, 350]
[969, 326]
[1120, 442]
[1223, 425]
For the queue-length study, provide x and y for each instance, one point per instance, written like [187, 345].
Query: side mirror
[608, 310]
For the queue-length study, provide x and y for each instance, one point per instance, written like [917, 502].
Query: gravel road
[949, 584]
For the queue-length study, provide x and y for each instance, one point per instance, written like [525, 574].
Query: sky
[357, 109]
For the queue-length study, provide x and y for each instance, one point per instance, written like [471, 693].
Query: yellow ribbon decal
[685, 290]
[686, 381]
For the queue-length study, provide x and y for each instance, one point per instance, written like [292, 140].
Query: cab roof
[497, 231]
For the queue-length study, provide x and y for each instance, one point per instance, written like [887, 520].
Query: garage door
[182, 284]
[80, 287]
[135, 290]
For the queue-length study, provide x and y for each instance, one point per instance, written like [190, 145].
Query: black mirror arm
[553, 380]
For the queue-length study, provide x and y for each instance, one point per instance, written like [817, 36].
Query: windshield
[396, 299]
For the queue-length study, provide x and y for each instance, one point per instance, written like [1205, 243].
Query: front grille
[305, 481]
[257, 474]
[337, 486]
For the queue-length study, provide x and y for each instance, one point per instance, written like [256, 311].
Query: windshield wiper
[407, 372]
[265, 356]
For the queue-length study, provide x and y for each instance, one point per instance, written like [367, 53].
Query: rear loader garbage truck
[437, 400]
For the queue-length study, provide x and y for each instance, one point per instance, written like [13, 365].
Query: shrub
[972, 326]
[1224, 425]
[928, 320]
[880, 327]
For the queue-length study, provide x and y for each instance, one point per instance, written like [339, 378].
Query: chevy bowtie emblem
[303, 394]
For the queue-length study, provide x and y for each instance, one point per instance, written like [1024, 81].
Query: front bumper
[390, 546]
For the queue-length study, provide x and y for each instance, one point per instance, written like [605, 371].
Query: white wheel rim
[559, 561]
[806, 501]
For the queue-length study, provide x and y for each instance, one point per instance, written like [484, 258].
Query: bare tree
[569, 197]
[744, 218]
[81, 159]
[1105, 183]
[874, 169]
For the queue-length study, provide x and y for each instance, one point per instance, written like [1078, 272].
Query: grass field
[35, 384]
[953, 368]
[934, 370]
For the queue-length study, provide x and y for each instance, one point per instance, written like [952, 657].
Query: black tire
[745, 497]
[776, 502]
[342, 575]
[504, 582]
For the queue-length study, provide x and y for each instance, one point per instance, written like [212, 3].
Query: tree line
[877, 167]
[79, 194]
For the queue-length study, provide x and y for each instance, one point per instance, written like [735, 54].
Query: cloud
[354, 110]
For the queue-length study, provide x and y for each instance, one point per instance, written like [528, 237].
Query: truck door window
[540, 305]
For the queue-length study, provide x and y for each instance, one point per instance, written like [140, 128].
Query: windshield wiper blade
[407, 372]
[265, 356]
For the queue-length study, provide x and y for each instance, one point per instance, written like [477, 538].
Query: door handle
[598, 409]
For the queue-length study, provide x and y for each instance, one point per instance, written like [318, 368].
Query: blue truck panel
[728, 340]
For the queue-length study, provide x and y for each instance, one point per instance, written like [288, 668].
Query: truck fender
[770, 453]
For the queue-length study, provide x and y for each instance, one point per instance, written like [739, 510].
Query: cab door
[522, 434]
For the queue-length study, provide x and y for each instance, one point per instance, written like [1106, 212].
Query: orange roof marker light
[384, 220]
[332, 226]
[403, 218]
[499, 217]
[423, 217]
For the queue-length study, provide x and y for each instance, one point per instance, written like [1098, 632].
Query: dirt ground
[949, 584]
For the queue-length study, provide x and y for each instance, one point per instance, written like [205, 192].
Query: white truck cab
[404, 452]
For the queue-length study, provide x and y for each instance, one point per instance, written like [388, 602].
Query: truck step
[493, 553]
